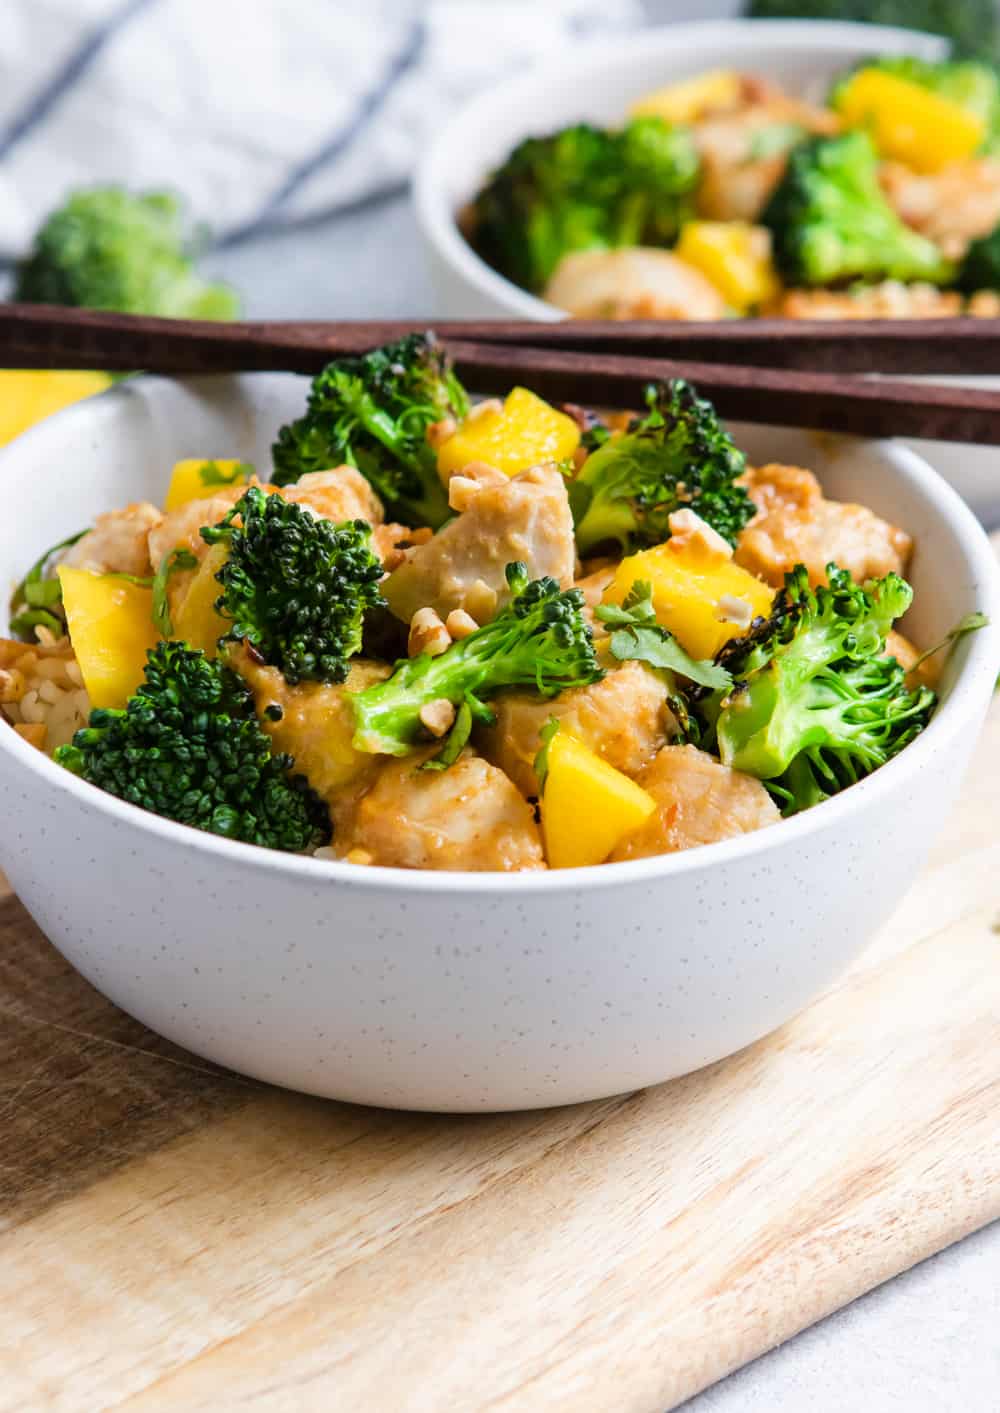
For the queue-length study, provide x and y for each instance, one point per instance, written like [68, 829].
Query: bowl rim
[435, 216]
[961, 710]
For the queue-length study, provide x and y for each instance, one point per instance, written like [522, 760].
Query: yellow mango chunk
[197, 479]
[908, 122]
[688, 582]
[111, 629]
[523, 433]
[689, 99]
[587, 806]
[735, 256]
[31, 394]
[196, 621]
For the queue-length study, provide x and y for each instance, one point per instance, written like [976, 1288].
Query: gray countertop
[927, 1342]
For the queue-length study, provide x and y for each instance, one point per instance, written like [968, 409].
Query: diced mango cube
[523, 433]
[735, 256]
[197, 621]
[908, 122]
[197, 479]
[587, 806]
[31, 394]
[689, 99]
[688, 582]
[111, 628]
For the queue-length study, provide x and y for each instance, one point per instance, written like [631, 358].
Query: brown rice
[41, 691]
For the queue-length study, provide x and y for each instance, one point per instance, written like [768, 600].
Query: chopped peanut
[427, 634]
[359, 856]
[438, 716]
[460, 624]
[687, 529]
[440, 431]
[732, 609]
[481, 601]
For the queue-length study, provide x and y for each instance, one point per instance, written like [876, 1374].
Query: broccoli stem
[541, 640]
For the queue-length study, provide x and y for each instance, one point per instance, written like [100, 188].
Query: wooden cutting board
[174, 1237]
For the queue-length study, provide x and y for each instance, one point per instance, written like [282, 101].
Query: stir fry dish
[721, 195]
[473, 635]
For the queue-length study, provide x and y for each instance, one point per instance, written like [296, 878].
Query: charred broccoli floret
[831, 223]
[584, 188]
[679, 454]
[816, 704]
[189, 746]
[373, 412]
[295, 586]
[108, 248]
[539, 640]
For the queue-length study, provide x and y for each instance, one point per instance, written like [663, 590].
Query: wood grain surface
[173, 1237]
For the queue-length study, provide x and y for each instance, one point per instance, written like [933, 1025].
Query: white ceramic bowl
[465, 991]
[596, 82]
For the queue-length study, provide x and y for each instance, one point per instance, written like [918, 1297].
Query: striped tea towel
[261, 113]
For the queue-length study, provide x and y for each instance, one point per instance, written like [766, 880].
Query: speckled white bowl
[596, 82]
[474, 991]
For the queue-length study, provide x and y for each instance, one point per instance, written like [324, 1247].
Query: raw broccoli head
[584, 188]
[373, 412]
[679, 454]
[816, 704]
[189, 746]
[539, 640]
[971, 25]
[831, 223]
[109, 249]
[295, 586]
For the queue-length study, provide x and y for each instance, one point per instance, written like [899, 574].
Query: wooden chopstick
[825, 401]
[42, 336]
[39, 336]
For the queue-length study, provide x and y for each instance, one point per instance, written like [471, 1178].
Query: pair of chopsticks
[784, 372]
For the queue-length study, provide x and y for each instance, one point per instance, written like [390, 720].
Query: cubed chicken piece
[952, 207]
[699, 801]
[624, 719]
[338, 495]
[118, 543]
[634, 282]
[181, 528]
[469, 817]
[525, 517]
[316, 725]
[796, 524]
[744, 153]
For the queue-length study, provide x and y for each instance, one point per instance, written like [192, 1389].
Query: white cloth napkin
[260, 112]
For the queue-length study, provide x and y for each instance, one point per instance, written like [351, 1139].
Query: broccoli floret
[373, 412]
[539, 640]
[971, 25]
[109, 249]
[980, 268]
[189, 746]
[679, 454]
[815, 703]
[295, 586]
[584, 188]
[831, 223]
